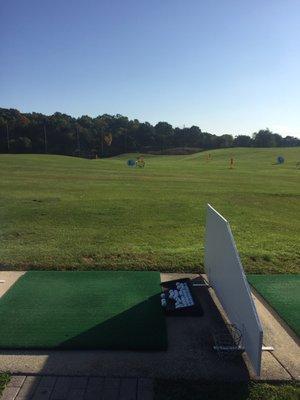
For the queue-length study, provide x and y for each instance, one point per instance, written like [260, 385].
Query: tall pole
[7, 136]
[78, 142]
[45, 138]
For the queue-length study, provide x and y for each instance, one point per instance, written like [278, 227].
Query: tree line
[107, 135]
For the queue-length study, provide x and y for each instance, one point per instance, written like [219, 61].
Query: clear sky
[228, 66]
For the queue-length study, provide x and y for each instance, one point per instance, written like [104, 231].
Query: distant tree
[102, 124]
[290, 141]
[21, 145]
[180, 137]
[62, 134]
[145, 135]
[195, 137]
[264, 138]
[242, 141]
[277, 139]
[3, 135]
[164, 133]
[224, 141]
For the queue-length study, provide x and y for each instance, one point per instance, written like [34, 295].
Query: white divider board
[226, 276]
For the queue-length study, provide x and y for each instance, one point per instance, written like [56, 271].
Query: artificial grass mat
[282, 292]
[83, 310]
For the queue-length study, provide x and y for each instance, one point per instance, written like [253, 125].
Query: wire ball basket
[227, 342]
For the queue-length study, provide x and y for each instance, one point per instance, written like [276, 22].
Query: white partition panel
[226, 276]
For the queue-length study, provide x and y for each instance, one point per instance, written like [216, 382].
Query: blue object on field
[280, 160]
[131, 163]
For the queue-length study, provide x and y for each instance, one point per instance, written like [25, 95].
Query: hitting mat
[282, 292]
[83, 310]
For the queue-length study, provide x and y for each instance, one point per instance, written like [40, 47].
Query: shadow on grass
[140, 328]
[129, 330]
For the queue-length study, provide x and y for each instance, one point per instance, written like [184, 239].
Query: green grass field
[282, 292]
[187, 390]
[61, 212]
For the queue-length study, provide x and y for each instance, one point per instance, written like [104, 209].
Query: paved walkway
[22, 387]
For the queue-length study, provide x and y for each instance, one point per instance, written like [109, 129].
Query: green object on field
[282, 292]
[84, 310]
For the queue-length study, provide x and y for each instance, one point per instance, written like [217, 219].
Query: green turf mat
[282, 292]
[84, 310]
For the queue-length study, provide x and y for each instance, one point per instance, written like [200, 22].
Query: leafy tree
[62, 134]
[224, 141]
[277, 139]
[242, 141]
[164, 133]
[21, 145]
[290, 141]
[264, 138]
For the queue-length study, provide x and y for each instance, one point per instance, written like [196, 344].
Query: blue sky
[229, 66]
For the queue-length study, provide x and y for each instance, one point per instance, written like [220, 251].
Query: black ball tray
[190, 311]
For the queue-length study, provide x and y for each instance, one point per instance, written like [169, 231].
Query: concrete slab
[93, 388]
[286, 344]
[271, 369]
[189, 355]
[283, 362]
[28, 388]
[7, 279]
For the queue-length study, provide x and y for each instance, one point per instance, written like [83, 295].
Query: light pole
[102, 137]
[45, 137]
[7, 136]
[125, 141]
[78, 141]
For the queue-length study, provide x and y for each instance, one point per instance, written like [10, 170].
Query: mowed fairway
[61, 212]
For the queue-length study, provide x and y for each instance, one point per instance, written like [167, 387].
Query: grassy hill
[63, 212]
